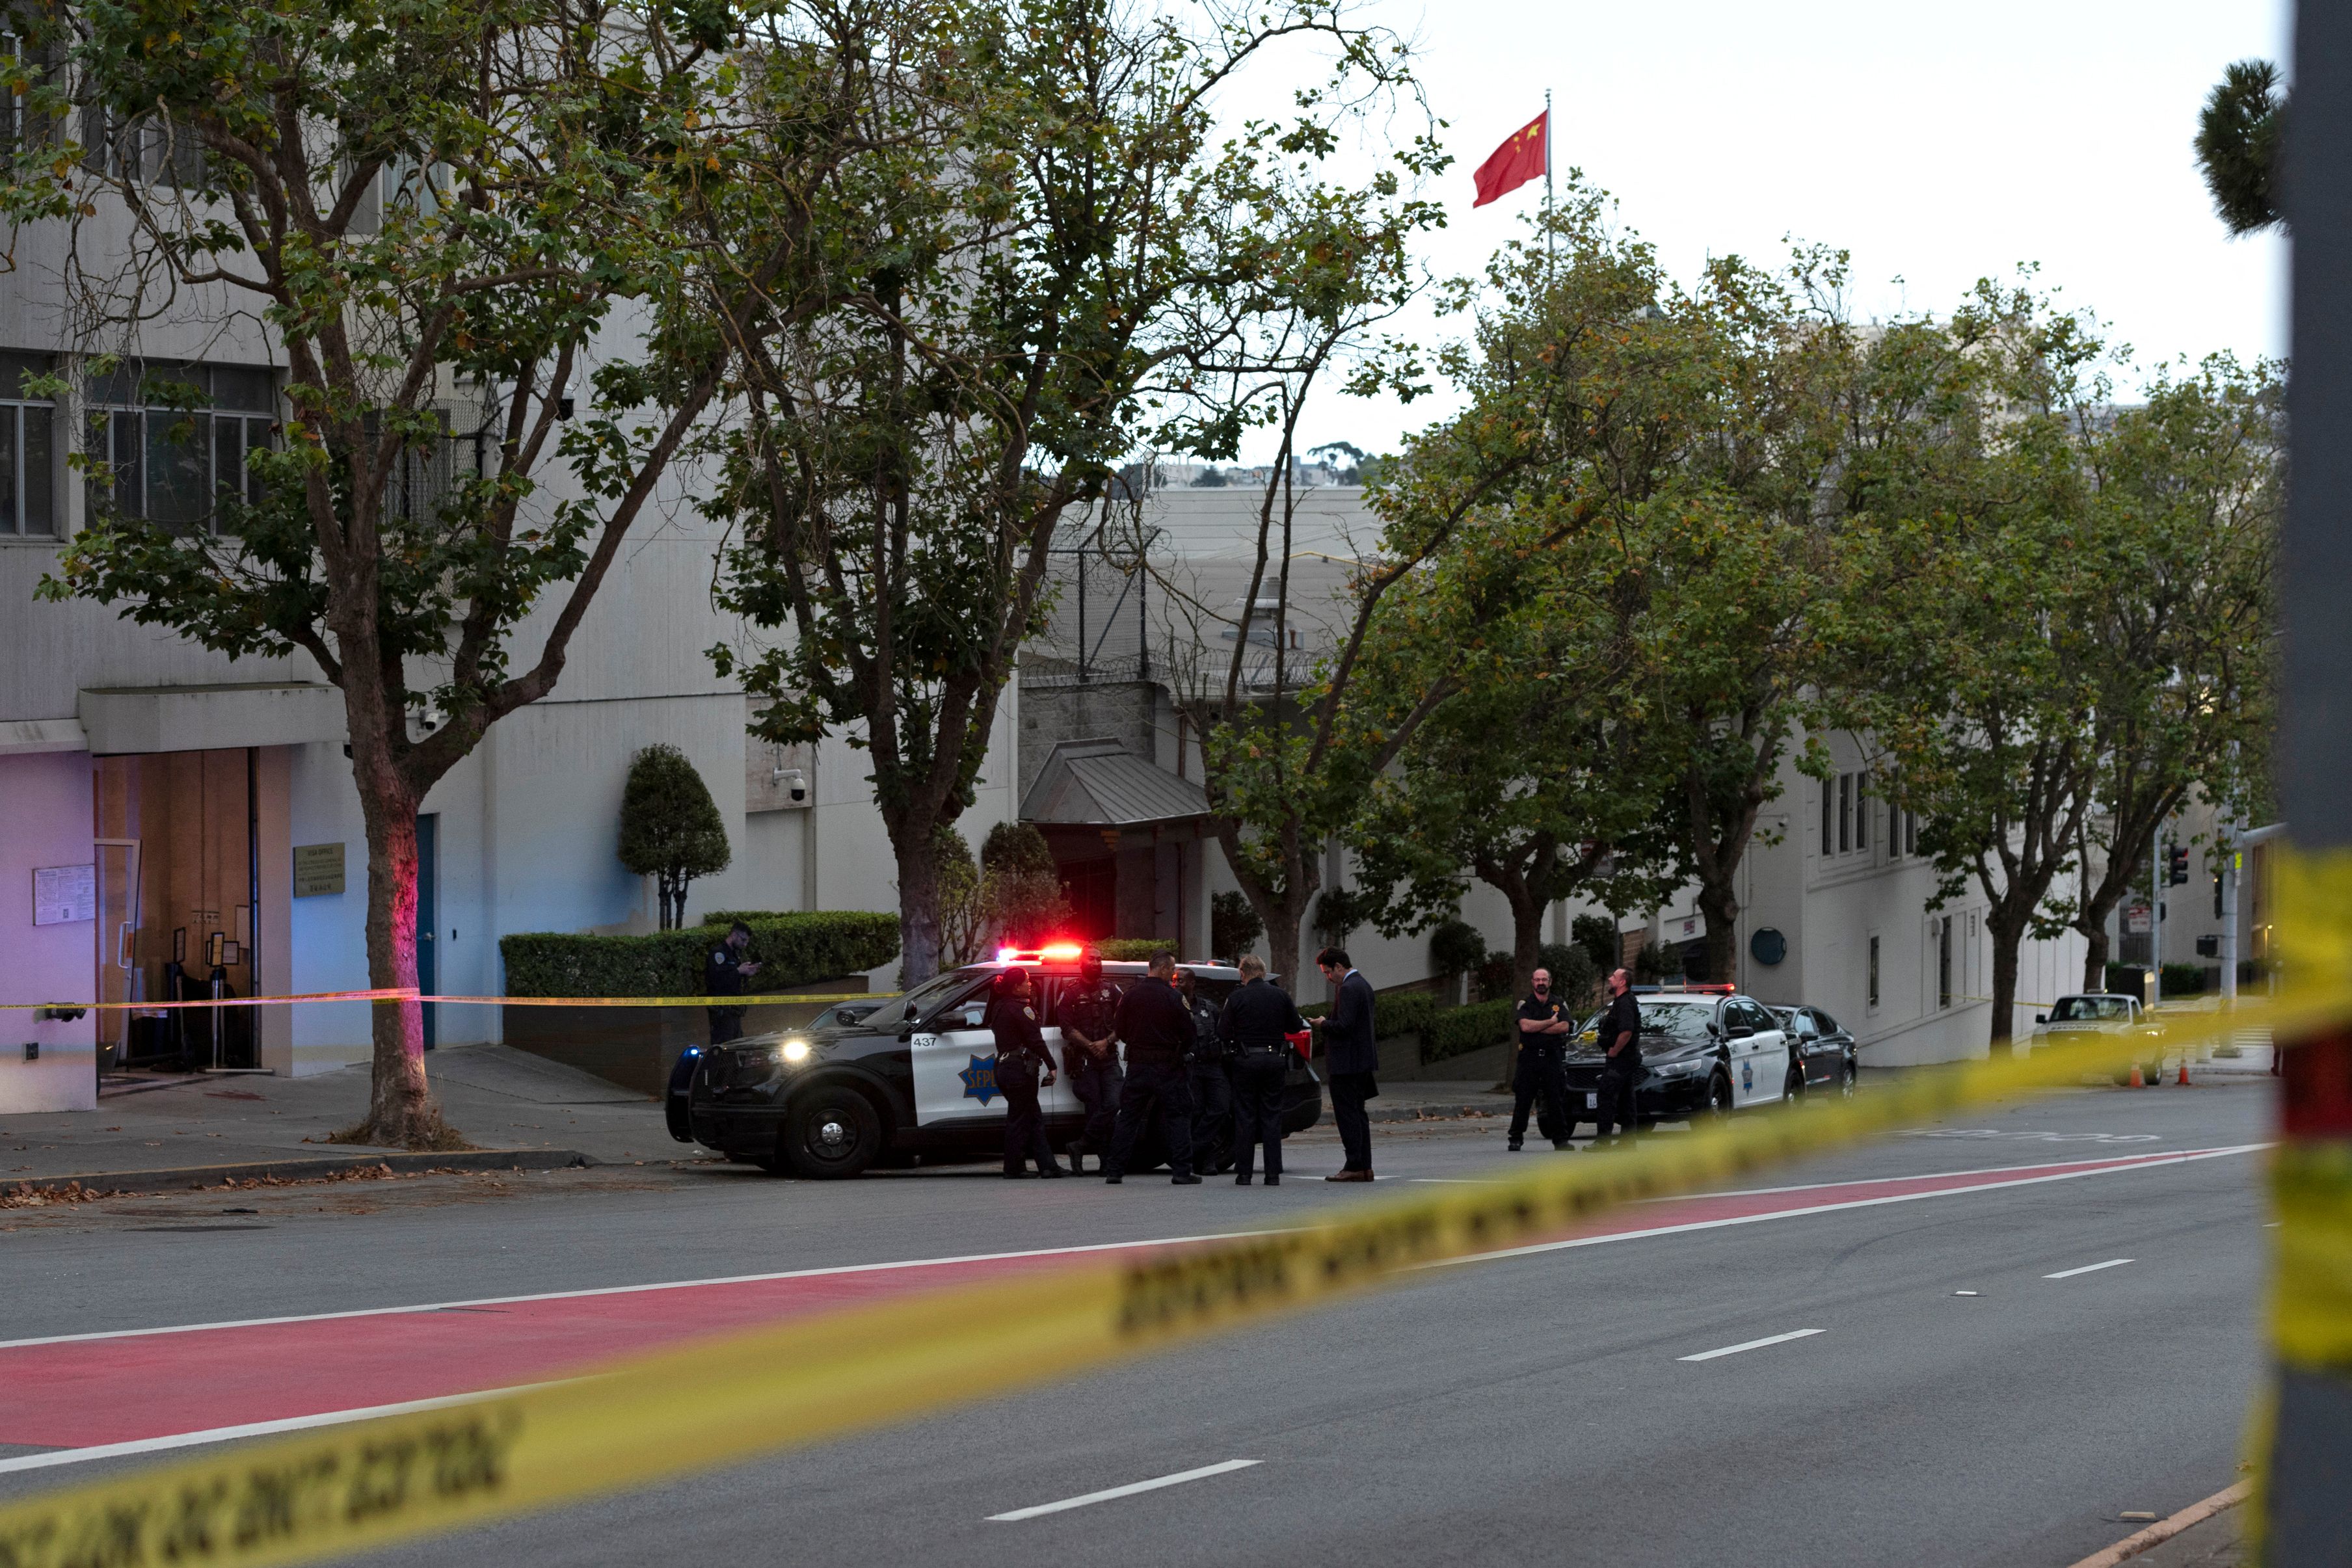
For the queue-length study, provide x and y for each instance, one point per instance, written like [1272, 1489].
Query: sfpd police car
[1704, 1053]
[902, 1077]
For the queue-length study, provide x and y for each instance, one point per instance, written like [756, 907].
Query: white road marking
[1458, 1181]
[250, 1429]
[2161, 1162]
[1753, 1344]
[2089, 1269]
[1178, 1479]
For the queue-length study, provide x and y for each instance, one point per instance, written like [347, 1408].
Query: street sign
[2136, 921]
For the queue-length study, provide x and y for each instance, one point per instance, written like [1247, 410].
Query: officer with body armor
[1212, 1080]
[1021, 1055]
[1259, 1019]
[1088, 1016]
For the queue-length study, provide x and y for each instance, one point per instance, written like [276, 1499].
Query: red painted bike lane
[87, 1391]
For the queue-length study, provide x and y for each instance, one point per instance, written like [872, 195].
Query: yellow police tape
[726, 1398]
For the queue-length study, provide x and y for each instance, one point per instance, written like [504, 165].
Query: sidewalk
[521, 1109]
[1425, 1099]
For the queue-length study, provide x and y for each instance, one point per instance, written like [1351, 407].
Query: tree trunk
[2006, 938]
[918, 908]
[2094, 955]
[401, 1108]
[1721, 910]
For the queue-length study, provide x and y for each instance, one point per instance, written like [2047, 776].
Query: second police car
[910, 1077]
[1706, 1050]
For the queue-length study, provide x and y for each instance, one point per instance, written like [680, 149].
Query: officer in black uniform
[1158, 1030]
[723, 974]
[1544, 1026]
[1213, 1080]
[1621, 1037]
[1019, 1056]
[1088, 1015]
[1257, 1017]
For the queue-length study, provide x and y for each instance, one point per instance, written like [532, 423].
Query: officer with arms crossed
[1256, 1019]
[1621, 1037]
[1159, 1033]
[1212, 1080]
[1090, 1056]
[1543, 1066]
[1020, 1054]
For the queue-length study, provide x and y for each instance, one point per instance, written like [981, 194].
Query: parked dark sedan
[912, 1076]
[1823, 1046]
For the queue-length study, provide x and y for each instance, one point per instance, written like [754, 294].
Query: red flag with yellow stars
[1526, 156]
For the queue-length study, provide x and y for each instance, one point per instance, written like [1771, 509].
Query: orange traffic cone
[2137, 1080]
[2183, 1080]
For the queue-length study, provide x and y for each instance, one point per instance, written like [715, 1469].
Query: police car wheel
[1846, 1076]
[1719, 1098]
[1795, 1088]
[831, 1134]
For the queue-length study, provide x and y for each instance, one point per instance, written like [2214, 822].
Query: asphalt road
[1535, 1408]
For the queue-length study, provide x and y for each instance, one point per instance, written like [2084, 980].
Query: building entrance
[178, 897]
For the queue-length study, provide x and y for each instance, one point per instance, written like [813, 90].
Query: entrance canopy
[1102, 784]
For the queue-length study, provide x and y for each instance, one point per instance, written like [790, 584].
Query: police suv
[1706, 1050]
[907, 1078]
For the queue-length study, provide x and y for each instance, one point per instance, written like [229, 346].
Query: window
[28, 451]
[19, 123]
[148, 150]
[1846, 812]
[1826, 812]
[174, 440]
[1910, 833]
[1862, 810]
[1874, 971]
[1944, 962]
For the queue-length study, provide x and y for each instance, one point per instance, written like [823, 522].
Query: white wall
[45, 821]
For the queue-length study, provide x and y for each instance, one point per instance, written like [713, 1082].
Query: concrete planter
[637, 1047]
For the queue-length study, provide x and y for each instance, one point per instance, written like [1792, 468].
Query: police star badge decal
[980, 1079]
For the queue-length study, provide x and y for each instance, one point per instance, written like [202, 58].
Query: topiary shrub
[1597, 935]
[1021, 887]
[791, 950]
[1575, 979]
[1233, 926]
[670, 828]
[1133, 949]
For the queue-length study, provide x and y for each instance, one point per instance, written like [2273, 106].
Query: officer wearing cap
[1212, 1080]
[1088, 1015]
[1259, 1018]
[1020, 1057]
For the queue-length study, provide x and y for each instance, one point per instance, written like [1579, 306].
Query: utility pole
[2310, 1461]
[2155, 918]
[1547, 266]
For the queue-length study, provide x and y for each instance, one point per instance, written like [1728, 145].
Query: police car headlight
[793, 1052]
[1689, 1067]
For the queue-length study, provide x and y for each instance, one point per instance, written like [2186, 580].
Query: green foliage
[1021, 887]
[793, 950]
[1134, 949]
[963, 908]
[1340, 911]
[2239, 137]
[1455, 947]
[1575, 978]
[1457, 1031]
[2183, 979]
[1597, 935]
[670, 828]
[1396, 1015]
[1233, 926]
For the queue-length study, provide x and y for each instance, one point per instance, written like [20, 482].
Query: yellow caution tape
[393, 993]
[725, 1399]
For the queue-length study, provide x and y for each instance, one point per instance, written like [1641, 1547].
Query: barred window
[28, 452]
[170, 443]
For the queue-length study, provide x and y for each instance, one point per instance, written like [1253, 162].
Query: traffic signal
[2175, 865]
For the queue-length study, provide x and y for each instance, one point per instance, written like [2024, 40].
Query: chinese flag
[1526, 156]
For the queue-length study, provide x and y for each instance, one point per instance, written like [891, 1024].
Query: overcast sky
[1939, 143]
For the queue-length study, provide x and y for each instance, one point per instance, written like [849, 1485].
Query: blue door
[428, 972]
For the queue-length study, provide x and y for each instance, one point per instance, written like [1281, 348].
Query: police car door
[955, 1062]
[1059, 1099]
[1759, 1064]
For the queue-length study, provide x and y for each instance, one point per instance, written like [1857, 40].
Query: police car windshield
[2090, 1009]
[1685, 1023]
[936, 991]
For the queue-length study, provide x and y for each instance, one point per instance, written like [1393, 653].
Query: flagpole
[1547, 187]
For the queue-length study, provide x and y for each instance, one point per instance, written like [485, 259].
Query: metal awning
[1101, 784]
[126, 719]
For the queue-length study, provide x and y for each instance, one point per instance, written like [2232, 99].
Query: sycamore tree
[1037, 241]
[457, 225]
[2184, 524]
[1982, 569]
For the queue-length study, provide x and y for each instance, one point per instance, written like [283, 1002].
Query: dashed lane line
[1226, 1467]
[2090, 1269]
[1753, 1344]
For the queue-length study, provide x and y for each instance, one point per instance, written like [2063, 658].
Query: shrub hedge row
[1394, 1013]
[795, 949]
[1459, 1030]
[1133, 949]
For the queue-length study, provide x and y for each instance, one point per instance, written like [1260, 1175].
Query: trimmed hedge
[795, 949]
[1394, 1013]
[1132, 949]
[1458, 1032]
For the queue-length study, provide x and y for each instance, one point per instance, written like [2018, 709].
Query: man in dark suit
[1351, 1055]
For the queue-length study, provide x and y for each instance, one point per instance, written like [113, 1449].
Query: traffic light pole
[2309, 1473]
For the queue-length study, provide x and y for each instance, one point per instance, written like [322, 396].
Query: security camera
[794, 784]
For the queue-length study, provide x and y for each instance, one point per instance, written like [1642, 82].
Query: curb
[1431, 1113]
[2163, 1529]
[178, 1178]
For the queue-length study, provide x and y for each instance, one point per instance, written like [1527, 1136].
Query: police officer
[1543, 1066]
[1158, 1030]
[723, 974]
[1213, 1080]
[1088, 1016]
[1257, 1018]
[1620, 1037]
[1020, 1055]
